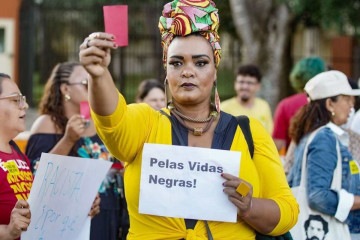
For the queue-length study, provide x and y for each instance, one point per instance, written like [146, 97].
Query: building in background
[9, 37]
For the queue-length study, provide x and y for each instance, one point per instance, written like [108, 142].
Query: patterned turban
[184, 17]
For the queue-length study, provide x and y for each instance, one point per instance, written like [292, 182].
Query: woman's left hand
[95, 208]
[242, 202]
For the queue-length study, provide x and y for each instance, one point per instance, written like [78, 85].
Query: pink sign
[116, 22]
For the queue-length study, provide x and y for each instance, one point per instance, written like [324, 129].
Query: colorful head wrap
[184, 17]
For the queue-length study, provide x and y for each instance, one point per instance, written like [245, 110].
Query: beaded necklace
[196, 131]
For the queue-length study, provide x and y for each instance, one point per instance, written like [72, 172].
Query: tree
[343, 15]
[266, 28]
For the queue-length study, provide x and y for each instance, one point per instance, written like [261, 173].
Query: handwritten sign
[186, 182]
[61, 197]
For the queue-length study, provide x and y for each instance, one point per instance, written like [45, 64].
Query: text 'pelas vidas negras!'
[171, 182]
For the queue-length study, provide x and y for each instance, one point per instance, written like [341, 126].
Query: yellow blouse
[126, 130]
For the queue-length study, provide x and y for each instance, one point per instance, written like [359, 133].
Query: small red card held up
[85, 109]
[116, 22]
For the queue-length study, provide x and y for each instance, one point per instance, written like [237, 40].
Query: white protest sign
[186, 182]
[61, 196]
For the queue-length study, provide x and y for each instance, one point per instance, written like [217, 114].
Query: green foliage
[225, 82]
[339, 14]
[226, 20]
[307, 11]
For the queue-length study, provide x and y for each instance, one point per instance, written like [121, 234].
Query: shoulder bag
[328, 226]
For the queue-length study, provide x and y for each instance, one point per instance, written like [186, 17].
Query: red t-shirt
[285, 110]
[15, 182]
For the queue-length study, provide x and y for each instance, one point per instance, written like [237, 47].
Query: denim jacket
[321, 163]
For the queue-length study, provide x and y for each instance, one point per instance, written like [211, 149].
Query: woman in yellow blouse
[191, 55]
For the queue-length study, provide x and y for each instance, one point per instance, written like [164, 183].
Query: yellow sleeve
[272, 181]
[117, 130]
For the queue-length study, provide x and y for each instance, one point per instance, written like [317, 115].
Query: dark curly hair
[52, 101]
[250, 70]
[319, 219]
[309, 118]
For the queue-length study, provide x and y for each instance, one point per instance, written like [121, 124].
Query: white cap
[329, 84]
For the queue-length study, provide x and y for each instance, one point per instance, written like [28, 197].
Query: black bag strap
[208, 231]
[176, 130]
[244, 124]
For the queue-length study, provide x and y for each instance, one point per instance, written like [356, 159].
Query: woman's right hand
[95, 53]
[19, 219]
[75, 127]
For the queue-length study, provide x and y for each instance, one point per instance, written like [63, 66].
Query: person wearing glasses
[14, 210]
[14, 165]
[247, 84]
[61, 129]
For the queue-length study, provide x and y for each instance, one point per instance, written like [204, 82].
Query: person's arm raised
[95, 56]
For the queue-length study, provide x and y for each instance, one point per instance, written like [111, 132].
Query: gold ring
[243, 189]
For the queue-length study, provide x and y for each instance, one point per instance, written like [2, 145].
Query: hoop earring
[168, 97]
[216, 97]
[67, 97]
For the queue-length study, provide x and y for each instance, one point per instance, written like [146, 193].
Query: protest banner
[61, 196]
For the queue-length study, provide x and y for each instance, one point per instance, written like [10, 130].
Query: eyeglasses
[82, 82]
[18, 98]
[247, 83]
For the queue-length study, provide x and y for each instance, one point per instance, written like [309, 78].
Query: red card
[116, 22]
[85, 109]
